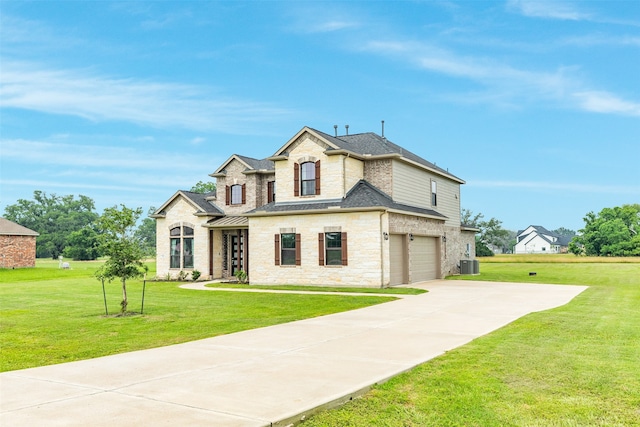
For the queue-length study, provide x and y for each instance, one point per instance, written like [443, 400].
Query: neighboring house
[17, 245]
[323, 210]
[536, 239]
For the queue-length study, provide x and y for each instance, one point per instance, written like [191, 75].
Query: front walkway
[273, 375]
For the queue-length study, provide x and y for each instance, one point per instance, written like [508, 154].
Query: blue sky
[535, 104]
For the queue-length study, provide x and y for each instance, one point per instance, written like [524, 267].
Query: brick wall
[17, 251]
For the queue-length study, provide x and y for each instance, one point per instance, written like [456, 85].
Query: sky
[535, 104]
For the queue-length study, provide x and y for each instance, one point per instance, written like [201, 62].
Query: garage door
[423, 259]
[397, 259]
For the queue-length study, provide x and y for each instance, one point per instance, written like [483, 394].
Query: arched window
[181, 247]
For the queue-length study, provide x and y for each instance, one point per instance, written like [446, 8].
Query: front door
[237, 253]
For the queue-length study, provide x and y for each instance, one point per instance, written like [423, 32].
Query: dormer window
[306, 178]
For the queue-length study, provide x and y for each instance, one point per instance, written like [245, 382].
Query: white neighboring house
[536, 239]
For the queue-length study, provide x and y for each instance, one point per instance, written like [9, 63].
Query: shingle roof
[362, 195]
[198, 199]
[10, 228]
[370, 143]
[202, 202]
[257, 164]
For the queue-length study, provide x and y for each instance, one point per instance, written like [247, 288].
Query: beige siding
[412, 185]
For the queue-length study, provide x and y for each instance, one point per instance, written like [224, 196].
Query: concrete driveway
[269, 376]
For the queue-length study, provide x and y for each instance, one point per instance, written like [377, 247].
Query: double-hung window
[332, 248]
[287, 249]
[434, 193]
[181, 247]
[236, 194]
[306, 178]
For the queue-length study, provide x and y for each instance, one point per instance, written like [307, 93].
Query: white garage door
[397, 259]
[423, 259]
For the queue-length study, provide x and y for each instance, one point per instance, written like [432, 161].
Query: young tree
[118, 243]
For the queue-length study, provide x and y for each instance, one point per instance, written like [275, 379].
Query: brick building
[17, 245]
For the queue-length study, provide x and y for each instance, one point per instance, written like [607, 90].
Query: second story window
[434, 193]
[236, 194]
[271, 191]
[306, 177]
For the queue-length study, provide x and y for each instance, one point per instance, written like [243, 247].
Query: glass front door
[237, 253]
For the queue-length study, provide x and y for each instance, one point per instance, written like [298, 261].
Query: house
[322, 210]
[17, 245]
[536, 239]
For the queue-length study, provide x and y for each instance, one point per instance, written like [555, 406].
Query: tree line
[70, 227]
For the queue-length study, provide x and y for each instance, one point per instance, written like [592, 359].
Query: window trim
[434, 193]
[229, 194]
[271, 191]
[299, 183]
[278, 250]
[323, 250]
[178, 242]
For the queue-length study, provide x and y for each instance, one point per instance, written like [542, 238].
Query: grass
[50, 316]
[576, 365]
[391, 291]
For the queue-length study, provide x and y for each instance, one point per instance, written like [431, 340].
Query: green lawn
[50, 316]
[576, 365]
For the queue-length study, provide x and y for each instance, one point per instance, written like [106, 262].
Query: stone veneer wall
[364, 243]
[17, 251]
[178, 213]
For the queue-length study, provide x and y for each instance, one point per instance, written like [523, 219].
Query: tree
[491, 232]
[82, 245]
[54, 217]
[146, 234]
[118, 243]
[564, 232]
[204, 187]
[613, 232]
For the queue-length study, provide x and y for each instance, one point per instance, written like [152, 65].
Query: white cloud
[87, 94]
[604, 102]
[550, 9]
[504, 84]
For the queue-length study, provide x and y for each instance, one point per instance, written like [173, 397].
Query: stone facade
[364, 242]
[181, 213]
[17, 251]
